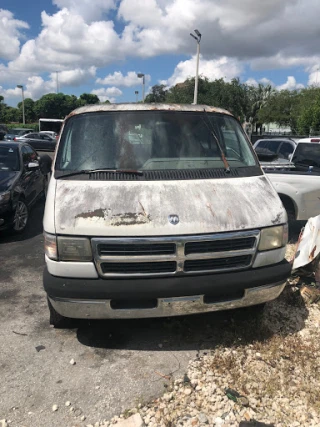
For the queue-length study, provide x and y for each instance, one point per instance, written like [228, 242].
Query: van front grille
[174, 255]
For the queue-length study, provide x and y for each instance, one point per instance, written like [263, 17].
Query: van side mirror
[45, 164]
[33, 165]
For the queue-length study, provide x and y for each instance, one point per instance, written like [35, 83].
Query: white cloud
[264, 35]
[88, 9]
[75, 77]
[109, 93]
[118, 79]
[266, 81]
[314, 76]
[36, 86]
[10, 34]
[212, 69]
[252, 82]
[290, 84]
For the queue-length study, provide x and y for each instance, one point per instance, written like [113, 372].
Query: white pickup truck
[298, 182]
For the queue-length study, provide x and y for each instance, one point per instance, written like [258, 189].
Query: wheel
[21, 217]
[56, 320]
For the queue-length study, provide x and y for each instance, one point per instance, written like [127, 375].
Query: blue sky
[98, 46]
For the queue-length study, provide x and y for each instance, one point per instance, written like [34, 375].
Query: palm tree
[259, 97]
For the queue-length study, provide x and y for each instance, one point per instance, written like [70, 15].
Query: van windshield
[152, 140]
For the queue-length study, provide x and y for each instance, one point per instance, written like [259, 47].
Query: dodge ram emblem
[173, 219]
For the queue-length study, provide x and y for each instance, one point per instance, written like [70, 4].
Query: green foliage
[30, 115]
[158, 94]
[88, 99]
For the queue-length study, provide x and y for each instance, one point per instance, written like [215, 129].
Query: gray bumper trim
[101, 309]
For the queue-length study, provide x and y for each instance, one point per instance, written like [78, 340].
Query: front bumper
[162, 307]
[166, 296]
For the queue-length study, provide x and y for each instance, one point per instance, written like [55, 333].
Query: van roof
[147, 107]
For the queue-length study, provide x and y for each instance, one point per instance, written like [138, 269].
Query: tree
[88, 98]
[55, 105]
[259, 97]
[157, 94]
[281, 108]
[30, 115]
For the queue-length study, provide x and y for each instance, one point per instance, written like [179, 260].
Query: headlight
[67, 248]
[5, 197]
[273, 237]
[74, 249]
[50, 246]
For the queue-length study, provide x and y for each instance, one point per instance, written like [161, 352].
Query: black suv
[3, 131]
[22, 181]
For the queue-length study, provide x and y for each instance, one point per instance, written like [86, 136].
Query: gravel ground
[269, 363]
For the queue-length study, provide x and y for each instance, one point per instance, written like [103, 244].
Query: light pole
[137, 93]
[198, 39]
[142, 76]
[23, 117]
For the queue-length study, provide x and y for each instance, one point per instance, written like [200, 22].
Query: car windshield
[152, 140]
[307, 154]
[9, 159]
[17, 131]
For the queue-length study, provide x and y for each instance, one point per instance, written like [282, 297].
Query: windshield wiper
[88, 171]
[211, 130]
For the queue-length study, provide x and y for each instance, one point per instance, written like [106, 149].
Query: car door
[48, 142]
[30, 178]
[285, 150]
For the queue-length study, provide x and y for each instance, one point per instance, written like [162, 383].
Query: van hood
[122, 208]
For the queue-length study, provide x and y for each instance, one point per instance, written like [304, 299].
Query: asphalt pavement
[117, 363]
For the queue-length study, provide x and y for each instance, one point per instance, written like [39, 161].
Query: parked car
[49, 132]
[3, 131]
[39, 141]
[274, 149]
[21, 184]
[159, 210]
[13, 133]
[297, 181]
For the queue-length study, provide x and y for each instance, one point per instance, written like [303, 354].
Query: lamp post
[197, 38]
[136, 93]
[23, 116]
[142, 76]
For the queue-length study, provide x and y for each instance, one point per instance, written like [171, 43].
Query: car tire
[20, 217]
[56, 320]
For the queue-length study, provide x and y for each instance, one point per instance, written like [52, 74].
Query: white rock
[187, 391]
[54, 408]
[202, 418]
[133, 421]
[72, 362]
[82, 418]
[68, 403]
[3, 423]
[218, 421]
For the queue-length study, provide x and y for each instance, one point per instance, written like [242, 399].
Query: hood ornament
[173, 219]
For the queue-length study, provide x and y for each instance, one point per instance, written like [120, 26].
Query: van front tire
[56, 320]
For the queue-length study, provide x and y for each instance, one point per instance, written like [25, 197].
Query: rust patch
[210, 209]
[143, 210]
[311, 256]
[130, 218]
[277, 219]
[100, 213]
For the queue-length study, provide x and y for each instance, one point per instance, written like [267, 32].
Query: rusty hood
[122, 208]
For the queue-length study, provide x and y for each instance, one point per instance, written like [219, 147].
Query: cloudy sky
[98, 46]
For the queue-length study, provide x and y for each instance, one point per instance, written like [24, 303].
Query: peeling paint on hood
[109, 208]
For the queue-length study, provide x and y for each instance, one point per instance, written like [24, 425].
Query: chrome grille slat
[125, 254]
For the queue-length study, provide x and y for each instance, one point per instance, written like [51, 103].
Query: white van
[159, 210]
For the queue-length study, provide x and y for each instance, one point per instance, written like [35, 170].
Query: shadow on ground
[284, 316]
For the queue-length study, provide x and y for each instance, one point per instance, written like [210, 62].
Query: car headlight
[67, 248]
[273, 237]
[4, 197]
